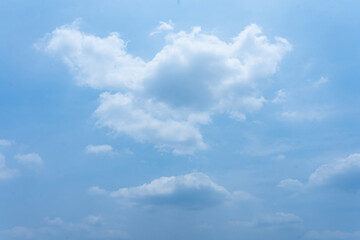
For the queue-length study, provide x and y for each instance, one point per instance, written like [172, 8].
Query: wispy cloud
[99, 149]
[163, 26]
[29, 159]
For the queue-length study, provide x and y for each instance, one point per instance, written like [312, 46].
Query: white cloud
[92, 219]
[29, 159]
[55, 221]
[342, 174]
[99, 149]
[332, 235]
[291, 184]
[163, 26]
[95, 190]
[321, 81]
[304, 115]
[190, 191]
[279, 219]
[17, 232]
[5, 143]
[6, 173]
[165, 100]
[280, 97]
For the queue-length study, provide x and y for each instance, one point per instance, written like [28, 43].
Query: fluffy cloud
[6, 173]
[99, 149]
[190, 191]
[166, 99]
[29, 159]
[342, 174]
[163, 26]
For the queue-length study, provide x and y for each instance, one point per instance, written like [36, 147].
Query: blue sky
[179, 120]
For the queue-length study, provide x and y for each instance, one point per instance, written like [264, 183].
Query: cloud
[95, 190]
[165, 100]
[279, 219]
[163, 26]
[190, 191]
[6, 173]
[320, 82]
[99, 149]
[332, 235]
[55, 221]
[92, 219]
[57, 228]
[341, 174]
[306, 115]
[291, 184]
[5, 143]
[280, 97]
[29, 159]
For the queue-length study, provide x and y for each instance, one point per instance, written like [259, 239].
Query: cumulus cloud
[342, 174]
[166, 99]
[6, 173]
[99, 149]
[29, 159]
[163, 26]
[190, 191]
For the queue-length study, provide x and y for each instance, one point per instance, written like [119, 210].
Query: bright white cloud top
[165, 100]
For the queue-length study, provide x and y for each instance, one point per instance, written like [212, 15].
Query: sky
[179, 119]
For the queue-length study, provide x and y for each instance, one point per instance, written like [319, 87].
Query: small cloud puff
[280, 97]
[29, 159]
[190, 191]
[320, 82]
[279, 219]
[163, 26]
[99, 149]
[95, 190]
